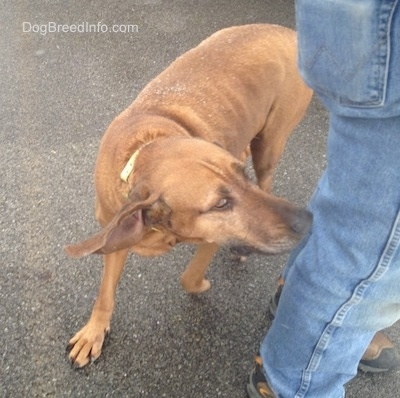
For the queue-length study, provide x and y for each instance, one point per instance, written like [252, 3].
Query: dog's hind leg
[86, 345]
[267, 146]
[266, 151]
[192, 279]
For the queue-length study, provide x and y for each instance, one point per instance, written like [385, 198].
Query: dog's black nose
[301, 222]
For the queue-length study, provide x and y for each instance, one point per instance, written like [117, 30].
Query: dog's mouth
[245, 250]
[242, 250]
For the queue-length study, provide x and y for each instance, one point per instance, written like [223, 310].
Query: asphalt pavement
[67, 69]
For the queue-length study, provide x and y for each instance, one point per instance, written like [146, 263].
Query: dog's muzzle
[299, 223]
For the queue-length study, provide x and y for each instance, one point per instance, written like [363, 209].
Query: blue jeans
[342, 283]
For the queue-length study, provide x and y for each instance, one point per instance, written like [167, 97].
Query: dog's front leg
[192, 279]
[87, 343]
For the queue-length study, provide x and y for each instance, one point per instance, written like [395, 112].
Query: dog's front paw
[85, 347]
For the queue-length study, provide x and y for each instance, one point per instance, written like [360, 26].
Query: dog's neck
[161, 127]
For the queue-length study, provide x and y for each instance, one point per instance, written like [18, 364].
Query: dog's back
[240, 83]
[216, 89]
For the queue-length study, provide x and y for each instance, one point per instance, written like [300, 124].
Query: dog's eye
[222, 204]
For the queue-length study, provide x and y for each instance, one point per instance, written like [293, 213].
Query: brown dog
[168, 168]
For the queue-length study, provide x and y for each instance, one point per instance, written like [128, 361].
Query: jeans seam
[384, 32]
[393, 243]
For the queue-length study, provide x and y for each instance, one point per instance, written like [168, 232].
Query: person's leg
[341, 285]
[381, 354]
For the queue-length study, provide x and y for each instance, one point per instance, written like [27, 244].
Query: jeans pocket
[344, 49]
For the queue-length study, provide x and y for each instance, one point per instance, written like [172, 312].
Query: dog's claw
[72, 362]
[74, 365]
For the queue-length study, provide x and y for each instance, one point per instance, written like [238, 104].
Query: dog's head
[189, 190]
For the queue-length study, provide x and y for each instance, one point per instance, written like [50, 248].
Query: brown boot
[257, 386]
[380, 356]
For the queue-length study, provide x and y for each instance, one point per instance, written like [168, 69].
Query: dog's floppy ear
[124, 230]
